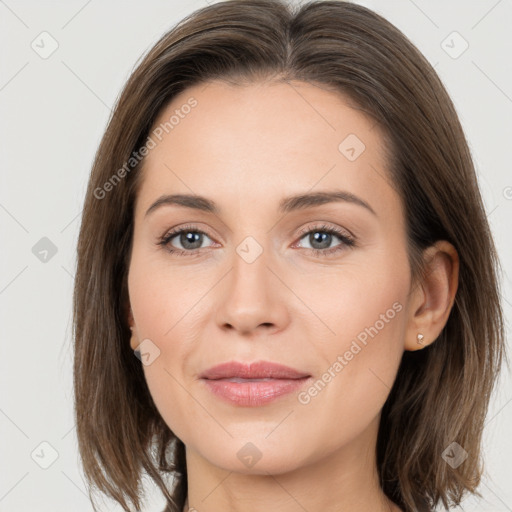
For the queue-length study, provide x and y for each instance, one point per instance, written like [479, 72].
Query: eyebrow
[288, 204]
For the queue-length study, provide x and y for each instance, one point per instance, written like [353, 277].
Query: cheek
[351, 388]
[360, 313]
[161, 294]
[165, 306]
[359, 301]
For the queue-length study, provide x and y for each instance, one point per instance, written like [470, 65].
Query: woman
[283, 224]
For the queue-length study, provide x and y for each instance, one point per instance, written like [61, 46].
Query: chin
[254, 458]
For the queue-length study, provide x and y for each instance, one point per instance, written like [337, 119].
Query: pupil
[191, 238]
[324, 236]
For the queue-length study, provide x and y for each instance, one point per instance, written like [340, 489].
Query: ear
[432, 298]
[131, 320]
[134, 340]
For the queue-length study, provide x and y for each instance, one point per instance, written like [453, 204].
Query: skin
[246, 148]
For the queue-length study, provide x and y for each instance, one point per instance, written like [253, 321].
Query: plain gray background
[53, 111]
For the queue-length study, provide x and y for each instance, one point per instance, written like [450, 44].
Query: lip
[252, 384]
[254, 370]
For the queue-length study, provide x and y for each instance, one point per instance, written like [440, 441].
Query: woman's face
[320, 285]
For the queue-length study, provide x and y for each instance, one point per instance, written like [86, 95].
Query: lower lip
[253, 393]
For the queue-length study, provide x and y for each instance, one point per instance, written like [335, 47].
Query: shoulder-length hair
[441, 393]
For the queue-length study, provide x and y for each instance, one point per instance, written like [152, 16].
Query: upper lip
[253, 370]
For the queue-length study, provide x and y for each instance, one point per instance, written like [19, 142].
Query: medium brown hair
[441, 393]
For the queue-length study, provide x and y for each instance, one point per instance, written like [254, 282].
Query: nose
[253, 298]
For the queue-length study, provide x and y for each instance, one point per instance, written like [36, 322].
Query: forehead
[265, 140]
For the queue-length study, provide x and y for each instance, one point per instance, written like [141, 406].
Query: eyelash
[348, 241]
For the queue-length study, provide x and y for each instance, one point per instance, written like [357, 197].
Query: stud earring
[419, 337]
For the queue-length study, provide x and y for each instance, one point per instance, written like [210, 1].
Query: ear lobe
[433, 299]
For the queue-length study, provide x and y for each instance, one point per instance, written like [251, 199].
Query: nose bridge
[251, 297]
[250, 276]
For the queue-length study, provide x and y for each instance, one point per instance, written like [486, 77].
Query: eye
[320, 239]
[190, 238]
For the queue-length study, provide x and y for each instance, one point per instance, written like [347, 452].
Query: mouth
[254, 370]
[252, 384]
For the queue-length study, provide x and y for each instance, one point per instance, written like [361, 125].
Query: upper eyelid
[176, 231]
[338, 230]
[302, 231]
